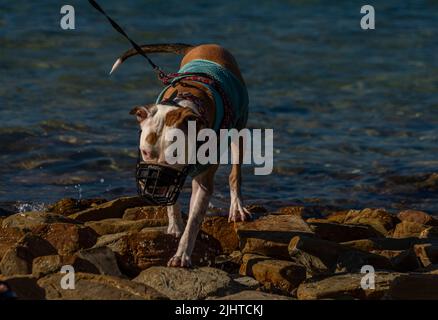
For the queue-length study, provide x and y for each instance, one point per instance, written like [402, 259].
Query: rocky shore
[119, 250]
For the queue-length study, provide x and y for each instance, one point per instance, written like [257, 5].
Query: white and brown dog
[155, 119]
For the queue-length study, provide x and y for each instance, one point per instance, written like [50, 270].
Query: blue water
[354, 113]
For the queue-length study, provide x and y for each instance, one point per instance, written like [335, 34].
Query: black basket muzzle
[159, 184]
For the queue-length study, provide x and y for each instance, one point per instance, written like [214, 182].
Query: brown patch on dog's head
[179, 116]
[152, 138]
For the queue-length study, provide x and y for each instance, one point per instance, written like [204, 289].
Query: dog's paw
[183, 261]
[238, 212]
[175, 230]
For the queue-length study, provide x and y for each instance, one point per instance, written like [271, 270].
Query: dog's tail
[176, 48]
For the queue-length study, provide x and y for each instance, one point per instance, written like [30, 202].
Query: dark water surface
[354, 113]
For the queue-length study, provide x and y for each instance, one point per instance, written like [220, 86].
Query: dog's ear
[177, 117]
[142, 112]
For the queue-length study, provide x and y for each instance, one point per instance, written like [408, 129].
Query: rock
[138, 251]
[414, 287]
[149, 212]
[28, 220]
[69, 206]
[229, 263]
[187, 284]
[256, 210]
[247, 282]
[109, 239]
[8, 237]
[24, 286]
[276, 275]
[429, 233]
[248, 261]
[67, 238]
[406, 229]
[222, 231]
[18, 259]
[342, 232]
[346, 286]
[338, 217]
[45, 265]
[381, 220]
[427, 253]
[419, 217]
[266, 248]
[103, 259]
[370, 245]
[111, 209]
[254, 295]
[401, 260]
[97, 287]
[326, 257]
[117, 225]
[275, 228]
[299, 211]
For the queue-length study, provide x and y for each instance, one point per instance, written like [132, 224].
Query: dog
[191, 100]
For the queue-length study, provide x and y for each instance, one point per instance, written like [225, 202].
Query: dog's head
[156, 121]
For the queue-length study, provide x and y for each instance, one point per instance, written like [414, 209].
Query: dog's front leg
[176, 224]
[202, 189]
[237, 211]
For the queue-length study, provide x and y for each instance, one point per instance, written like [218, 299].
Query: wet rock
[187, 284]
[326, 257]
[153, 247]
[254, 295]
[276, 228]
[248, 282]
[299, 211]
[256, 210]
[381, 220]
[111, 209]
[67, 238]
[45, 265]
[265, 247]
[8, 237]
[342, 232]
[18, 259]
[222, 231]
[148, 212]
[414, 287]
[276, 275]
[406, 229]
[346, 286]
[97, 287]
[427, 253]
[69, 206]
[24, 286]
[419, 217]
[28, 220]
[117, 225]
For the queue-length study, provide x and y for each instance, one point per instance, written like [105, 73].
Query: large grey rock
[97, 287]
[187, 284]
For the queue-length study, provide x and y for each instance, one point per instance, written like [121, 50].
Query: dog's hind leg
[237, 211]
[202, 189]
[176, 224]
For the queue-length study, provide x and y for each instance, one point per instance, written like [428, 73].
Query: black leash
[156, 68]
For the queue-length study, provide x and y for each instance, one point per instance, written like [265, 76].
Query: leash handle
[161, 75]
